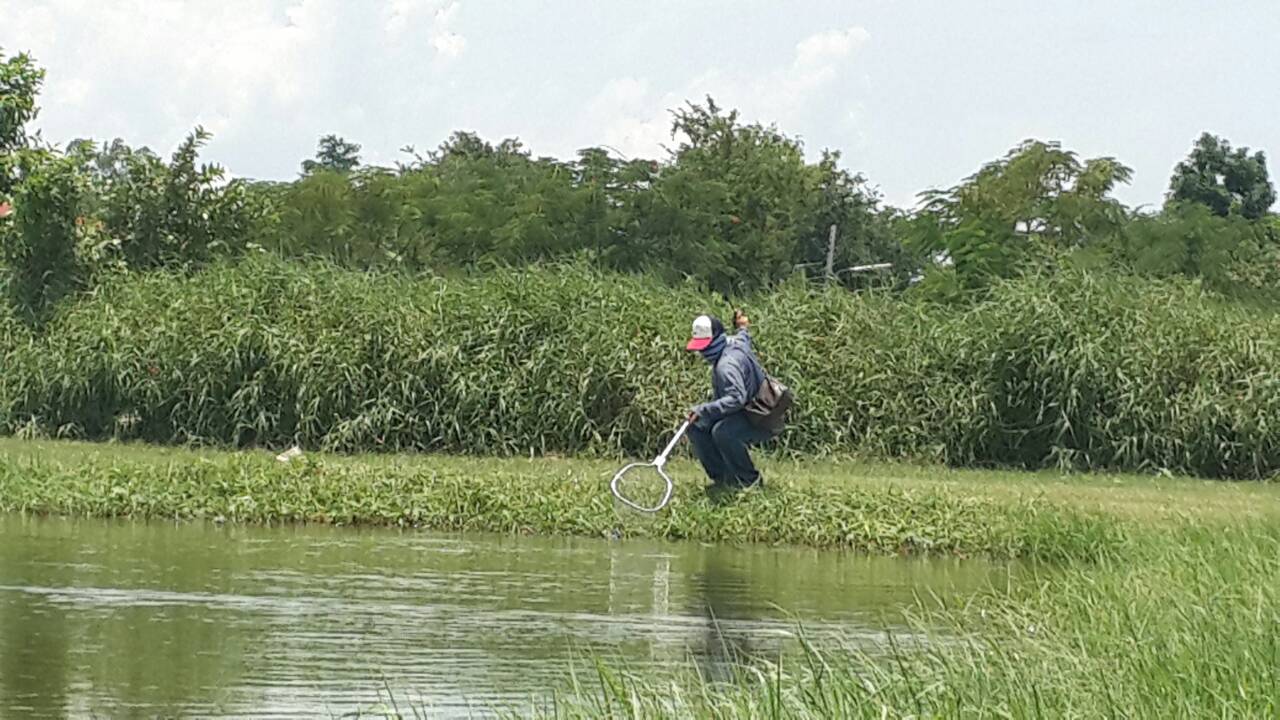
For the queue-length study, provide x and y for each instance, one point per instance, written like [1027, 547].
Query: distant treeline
[735, 207]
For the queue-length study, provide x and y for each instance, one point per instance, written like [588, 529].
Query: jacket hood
[712, 352]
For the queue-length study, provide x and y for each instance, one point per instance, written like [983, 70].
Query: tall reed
[1066, 371]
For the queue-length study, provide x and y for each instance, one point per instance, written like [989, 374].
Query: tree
[20, 81]
[1227, 181]
[483, 204]
[468, 203]
[864, 231]
[334, 154]
[1038, 199]
[736, 206]
[41, 250]
[155, 214]
[38, 243]
[109, 162]
[463, 145]
[1230, 254]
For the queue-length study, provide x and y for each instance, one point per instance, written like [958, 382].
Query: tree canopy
[1037, 199]
[1227, 181]
[733, 205]
[334, 155]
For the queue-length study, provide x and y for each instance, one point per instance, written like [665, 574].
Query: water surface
[123, 619]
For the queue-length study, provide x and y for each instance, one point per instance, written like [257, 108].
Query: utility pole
[831, 254]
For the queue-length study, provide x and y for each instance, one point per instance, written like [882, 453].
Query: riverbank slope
[868, 507]
[1163, 600]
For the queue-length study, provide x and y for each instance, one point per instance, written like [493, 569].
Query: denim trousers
[723, 449]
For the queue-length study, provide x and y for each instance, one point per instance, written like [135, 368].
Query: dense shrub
[1072, 370]
[42, 246]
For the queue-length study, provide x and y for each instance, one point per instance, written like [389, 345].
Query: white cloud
[403, 14]
[404, 17]
[819, 59]
[629, 117]
[149, 70]
[447, 42]
[636, 120]
[833, 45]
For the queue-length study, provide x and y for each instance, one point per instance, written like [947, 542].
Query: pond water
[124, 619]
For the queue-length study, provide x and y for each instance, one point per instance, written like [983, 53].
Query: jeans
[722, 449]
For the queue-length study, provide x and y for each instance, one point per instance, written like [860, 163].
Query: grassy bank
[1182, 621]
[1079, 371]
[890, 508]
[1163, 599]
[1185, 625]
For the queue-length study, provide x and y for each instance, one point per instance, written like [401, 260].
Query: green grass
[1187, 625]
[1184, 623]
[1080, 371]
[875, 508]
[1137, 497]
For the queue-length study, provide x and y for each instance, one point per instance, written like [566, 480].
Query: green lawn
[895, 508]
[1131, 496]
[1153, 497]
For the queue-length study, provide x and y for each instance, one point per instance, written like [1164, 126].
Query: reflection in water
[158, 619]
[61, 628]
[33, 658]
[723, 587]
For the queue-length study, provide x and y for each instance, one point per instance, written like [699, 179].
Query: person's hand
[740, 319]
[692, 417]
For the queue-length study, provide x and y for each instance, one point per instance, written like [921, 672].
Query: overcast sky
[915, 94]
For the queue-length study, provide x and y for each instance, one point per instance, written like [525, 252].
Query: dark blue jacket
[736, 377]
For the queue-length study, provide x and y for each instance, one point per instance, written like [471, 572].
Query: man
[719, 430]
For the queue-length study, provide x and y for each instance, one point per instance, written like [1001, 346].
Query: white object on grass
[658, 464]
[291, 454]
[866, 268]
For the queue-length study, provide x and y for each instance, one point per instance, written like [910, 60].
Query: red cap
[705, 329]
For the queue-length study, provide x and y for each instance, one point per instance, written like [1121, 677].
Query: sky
[915, 95]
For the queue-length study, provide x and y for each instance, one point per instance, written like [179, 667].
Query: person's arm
[734, 399]
[742, 324]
